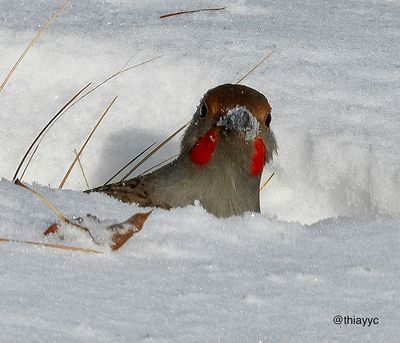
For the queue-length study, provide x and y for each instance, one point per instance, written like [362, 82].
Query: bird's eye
[203, 110]
[268, 120]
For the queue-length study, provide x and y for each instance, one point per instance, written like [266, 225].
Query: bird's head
[232, 121]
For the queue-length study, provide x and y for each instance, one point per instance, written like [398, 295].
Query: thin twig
[55, 209]
[193, 11]
[54, 246]
[255, 67]
[44, 129]
[154, 151]
[84, 144]
[33, 41]
[158, 164]
[82, 170]
[129, 163]
[266, 182]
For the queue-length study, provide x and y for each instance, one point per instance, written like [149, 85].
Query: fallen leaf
[121, 232]
[51, 229]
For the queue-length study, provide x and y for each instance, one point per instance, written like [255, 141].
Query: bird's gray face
[231, 114]
[241, 122]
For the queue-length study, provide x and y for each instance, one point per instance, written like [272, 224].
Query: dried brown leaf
[51, 229]
[121, 232]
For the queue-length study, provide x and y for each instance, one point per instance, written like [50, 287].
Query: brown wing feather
[138, 190]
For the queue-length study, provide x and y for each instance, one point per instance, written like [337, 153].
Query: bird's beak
[241, 121]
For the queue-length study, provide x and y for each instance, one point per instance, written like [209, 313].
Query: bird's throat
[203, 150]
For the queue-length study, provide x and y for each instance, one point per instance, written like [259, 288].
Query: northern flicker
[222, 156]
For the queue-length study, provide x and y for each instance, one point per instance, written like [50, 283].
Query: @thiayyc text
[355, 320]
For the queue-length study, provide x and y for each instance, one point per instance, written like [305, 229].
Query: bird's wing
[138, 190]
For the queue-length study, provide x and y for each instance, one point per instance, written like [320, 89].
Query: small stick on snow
[255, 67]
[55, 209]
[82, 170]
[84, 145]
[54, 246]
[193, 11]
[59, 113]
[33, 41]
[266, 182]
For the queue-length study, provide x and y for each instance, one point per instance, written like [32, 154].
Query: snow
[327, 240]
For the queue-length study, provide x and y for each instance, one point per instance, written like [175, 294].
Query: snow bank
[240, 279]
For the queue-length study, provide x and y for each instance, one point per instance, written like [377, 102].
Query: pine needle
[82, 170]
[193, 11]
[44, 129]
[255, 67]
[54, 246]
[33, 41]
[128, 164]
[84, 145]
[55, 209]
[154, 151]
[266, 182]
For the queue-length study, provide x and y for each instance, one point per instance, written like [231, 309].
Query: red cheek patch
[203, 150]
[258, 158]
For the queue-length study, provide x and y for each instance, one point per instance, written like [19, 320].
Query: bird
[222, 156]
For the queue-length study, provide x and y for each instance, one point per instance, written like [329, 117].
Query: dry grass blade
[82, 170]
[255, 67]
[137, 65]
[33, 41]
[266, 182]
[119, 72]
[158, 164]
[84, 144]
[193, 11]
[31, 157]
[44, 129]
[128, 164]
[55, 209]
[154, 151]
[44, 199]
[54, 246]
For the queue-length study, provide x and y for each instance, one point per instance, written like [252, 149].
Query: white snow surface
[327, 241]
